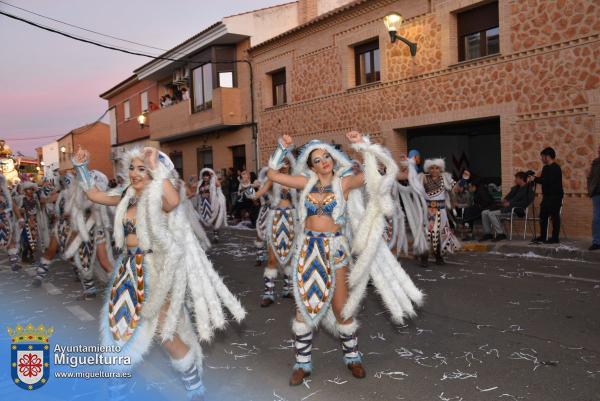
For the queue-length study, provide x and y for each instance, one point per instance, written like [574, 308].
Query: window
[177, 159]
[279, 92]
[126, 110]
[367, 63]
[202, 79]
[226, 79]
[205, 157]
[144, 101]
[478, 32]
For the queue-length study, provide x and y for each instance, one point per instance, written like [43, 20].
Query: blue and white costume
[167, 274]
[211, 204]
[93, 227]
[9, 234]
[318, 255]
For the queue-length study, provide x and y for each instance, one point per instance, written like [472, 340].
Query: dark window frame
[278, 78]
[175, 156]
[205, 105]
[478, 20]
[369, 48]
[202, 150]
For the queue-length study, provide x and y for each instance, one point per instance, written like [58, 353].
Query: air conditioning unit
[180, 76]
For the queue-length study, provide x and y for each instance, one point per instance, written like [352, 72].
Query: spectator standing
[519, 197]
[234, 183]
[552, 196]
[593, 181]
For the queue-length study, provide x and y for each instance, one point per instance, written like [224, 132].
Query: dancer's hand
[81, 156]
[354, 137]
[151, 157]
[286, 141]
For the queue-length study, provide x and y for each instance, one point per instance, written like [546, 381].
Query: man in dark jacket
[519, 197]
[552, 191]
[593, 181]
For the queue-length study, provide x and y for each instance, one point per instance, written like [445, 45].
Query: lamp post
[392, 23]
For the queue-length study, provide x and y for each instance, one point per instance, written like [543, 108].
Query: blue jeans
[596, 220]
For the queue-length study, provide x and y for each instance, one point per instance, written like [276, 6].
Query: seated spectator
[519, 198]
[482, 201]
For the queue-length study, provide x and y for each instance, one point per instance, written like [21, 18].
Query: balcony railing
[178, 120]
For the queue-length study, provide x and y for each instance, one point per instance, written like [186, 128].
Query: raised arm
[170, 197]
[291, 181]
[80, 163]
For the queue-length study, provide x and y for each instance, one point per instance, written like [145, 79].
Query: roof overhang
[218, 34]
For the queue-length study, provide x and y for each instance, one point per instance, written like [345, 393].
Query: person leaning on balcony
[593, 181]
[152, 106]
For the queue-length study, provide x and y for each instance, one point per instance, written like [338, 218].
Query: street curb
[550, 251]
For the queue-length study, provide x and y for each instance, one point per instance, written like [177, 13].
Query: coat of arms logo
[30, 355]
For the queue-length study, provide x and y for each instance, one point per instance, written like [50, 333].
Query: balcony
[177, 121]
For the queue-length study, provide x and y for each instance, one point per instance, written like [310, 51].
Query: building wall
[544, 85]
[50, 156]
[64, 158]
[220, 142]
[129, 130]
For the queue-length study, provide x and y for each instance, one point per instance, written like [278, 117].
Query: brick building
[94, 137]
[208, 118]
[126, 102]
[492, 83]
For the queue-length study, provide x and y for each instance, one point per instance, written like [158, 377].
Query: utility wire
[83, 28]
[91, 42]
[84, 40]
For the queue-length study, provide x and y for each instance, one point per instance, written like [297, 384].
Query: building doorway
[472, 145]
[238, 154]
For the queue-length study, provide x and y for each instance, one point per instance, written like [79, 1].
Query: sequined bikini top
[323, 207]
[129, 226]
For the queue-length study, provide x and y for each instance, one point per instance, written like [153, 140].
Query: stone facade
[544, 85]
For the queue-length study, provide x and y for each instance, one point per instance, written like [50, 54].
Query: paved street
[493, 328]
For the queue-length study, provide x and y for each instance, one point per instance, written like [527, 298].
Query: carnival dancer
[434, 186]
[211, 204]
[9, 216]
[280, 230]
[261, 220]
[34, 235]
[92, 227]
[61, 230]
[328, 285]
[163, 285]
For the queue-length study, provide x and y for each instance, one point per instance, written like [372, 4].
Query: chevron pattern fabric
[5, 230]
[126, 297]
[282, 233]
[313, 275]
[205, 209]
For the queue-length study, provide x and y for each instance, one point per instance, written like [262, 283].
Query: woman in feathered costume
[434, 186]
[9, 215]
[34, 235]
[163, 284]
[61, 231]
[280, 229]
[91, 223]
[261, 220]
[328, 284]
[212, 206]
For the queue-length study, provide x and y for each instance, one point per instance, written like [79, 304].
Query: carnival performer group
[328, 226]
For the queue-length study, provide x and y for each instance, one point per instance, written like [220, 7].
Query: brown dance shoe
[266, 302]
[298, 376]
[357, 370]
